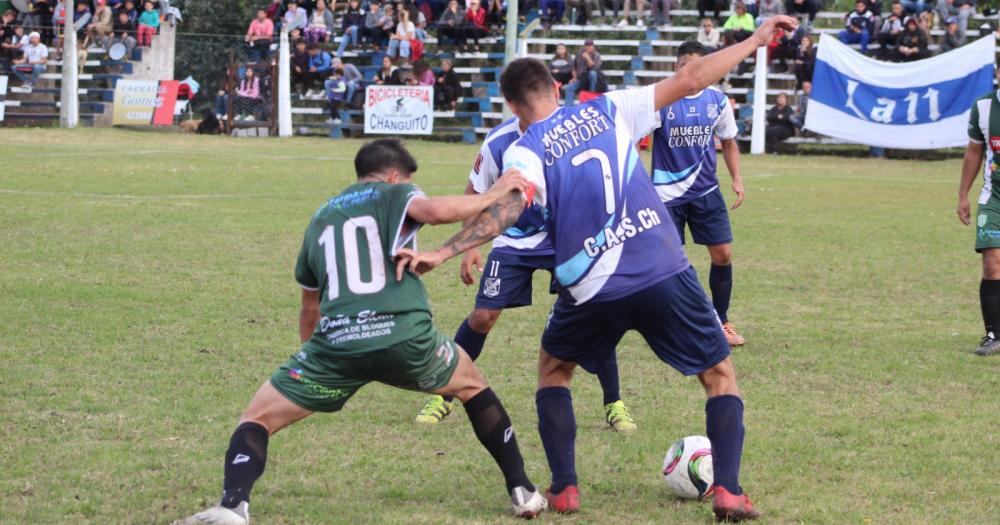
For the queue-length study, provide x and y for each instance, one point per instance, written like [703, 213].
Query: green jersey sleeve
[304, 273]
[975, 132]
[403, 231]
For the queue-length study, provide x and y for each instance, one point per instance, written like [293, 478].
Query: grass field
[147, 291]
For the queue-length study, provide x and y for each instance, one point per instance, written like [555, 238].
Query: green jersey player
[359, 324]
[984, 141]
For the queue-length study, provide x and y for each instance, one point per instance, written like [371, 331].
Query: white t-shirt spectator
[35, 53]
[405, 29]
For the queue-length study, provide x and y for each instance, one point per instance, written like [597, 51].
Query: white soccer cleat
[527, 504]
[219, 515]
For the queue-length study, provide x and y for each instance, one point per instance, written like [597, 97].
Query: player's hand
[416, 262]
[964, 211]
[740, 193]
[766, 31]
[511, 180]
[472, 259]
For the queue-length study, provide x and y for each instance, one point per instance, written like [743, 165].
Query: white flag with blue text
[915, 105]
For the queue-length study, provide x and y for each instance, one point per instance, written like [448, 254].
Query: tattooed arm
[488, 224]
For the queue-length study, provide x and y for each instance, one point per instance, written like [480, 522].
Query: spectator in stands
[123, 32]
[475, 23]
[320, 26]
[300, 68]
[782, 48]
[384, 75]
[740, 25]
[708, 35]
[402, 75]
[804, 7]
[875, 8]
[372, 32]
[149, 22]
[320, 65]
[275, 10]
[259, 36]
[13, 43]
[352, 77]
[915, 7]
[962, 9]
[448, 88]
[336, 94]
[583, 14]
[351, 24]
[892, 26]
[101, 24]
[715, 6]
[295, 17]
[451, 23]
[81, 18]
[399, 42]
[247, 102]
[37, 18]
[133, 14]
[7, 23]
[389, 22]
[950, 40]
[562, 65]
[660, 11]
[640, 13]
[32, 63]
[496, 11]
[912, 43]
[857, 26]
[799, 118]
[769, 8]
[587, 67]
[422, 74]
[552, 11]
[419, 22]
[779, 124]
[805, 61]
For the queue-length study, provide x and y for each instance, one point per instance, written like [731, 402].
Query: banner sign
[145, 102]
[399, 110]
[911, 105]
[3, 96]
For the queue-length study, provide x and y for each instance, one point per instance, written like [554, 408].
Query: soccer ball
[687, 469]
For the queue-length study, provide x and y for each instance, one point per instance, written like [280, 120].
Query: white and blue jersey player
[619, 262]
[685, 176]
[517, 254]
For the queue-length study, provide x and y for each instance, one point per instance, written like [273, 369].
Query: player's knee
[722, 254]
[482, 320]
[991, 264]
[553, 372]
[720, 379]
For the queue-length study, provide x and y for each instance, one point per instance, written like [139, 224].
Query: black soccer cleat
[988, 346]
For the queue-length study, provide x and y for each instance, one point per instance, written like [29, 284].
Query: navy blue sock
[608, 376]
[557, 427]
[720, 281]
[724, 426]
[471, 341]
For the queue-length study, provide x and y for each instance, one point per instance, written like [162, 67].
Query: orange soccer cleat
[732, 337]
[565, 502]
[730, 508]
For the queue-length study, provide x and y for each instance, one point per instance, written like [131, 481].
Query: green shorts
[988, 225]
[322, 381]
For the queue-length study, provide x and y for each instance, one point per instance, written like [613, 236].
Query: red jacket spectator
[476, 18]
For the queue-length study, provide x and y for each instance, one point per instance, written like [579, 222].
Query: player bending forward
[522, 250]
[984, 122]
[620, 266]
[357, 326]
[684, 173]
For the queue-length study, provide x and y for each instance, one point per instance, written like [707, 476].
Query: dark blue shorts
[506, 280]
[706, 216]
[674, 316]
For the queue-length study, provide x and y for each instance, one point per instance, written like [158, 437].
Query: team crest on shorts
[713, 110]
[491, 287]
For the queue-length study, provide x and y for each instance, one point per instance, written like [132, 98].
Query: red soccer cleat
[728, 507]
[566, 502]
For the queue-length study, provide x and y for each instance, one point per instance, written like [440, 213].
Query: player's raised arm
[455, 208]
[709, 69]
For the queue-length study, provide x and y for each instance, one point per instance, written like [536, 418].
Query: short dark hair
[691, 47]
[312, 46]
[523, 77]
[384, 154]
